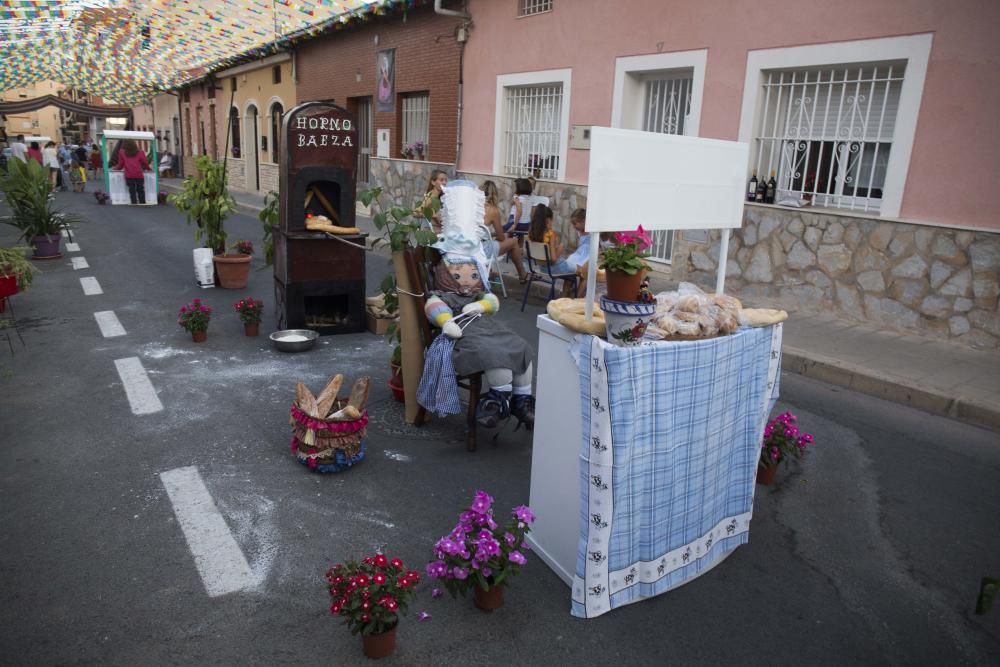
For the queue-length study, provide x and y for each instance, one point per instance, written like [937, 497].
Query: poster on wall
[385, 74]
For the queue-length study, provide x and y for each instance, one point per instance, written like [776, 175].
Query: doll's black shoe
[522, 407]
[493, 407]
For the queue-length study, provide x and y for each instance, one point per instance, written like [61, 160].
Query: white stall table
[653, 486]
[118, 189]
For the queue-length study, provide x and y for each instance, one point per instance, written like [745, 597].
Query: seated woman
[499, 243]
[474, 343]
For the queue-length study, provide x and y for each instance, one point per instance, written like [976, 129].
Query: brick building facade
[342, 66]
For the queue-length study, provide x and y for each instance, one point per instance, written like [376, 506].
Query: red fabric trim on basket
[331, 426]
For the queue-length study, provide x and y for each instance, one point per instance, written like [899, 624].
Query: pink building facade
[877, 116]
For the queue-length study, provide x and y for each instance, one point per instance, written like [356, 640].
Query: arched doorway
[252, 149]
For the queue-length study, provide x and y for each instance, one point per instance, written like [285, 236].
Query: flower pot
[233, 270]
[397, 389]
[490, 599]
[626, 322]
[622, 286]
[765, 474]
[46, 247]
[199, 336]
[251, 329]
[8, 287]
[380, 645]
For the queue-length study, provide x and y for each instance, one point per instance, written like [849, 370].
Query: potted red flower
[370, 596]
[251, 310]
[194, 317]
[782, 441]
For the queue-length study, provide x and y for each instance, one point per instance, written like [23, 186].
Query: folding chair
[493, 263]
[538, 255]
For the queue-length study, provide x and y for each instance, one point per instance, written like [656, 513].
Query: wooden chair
[419, 264]
[540, 268]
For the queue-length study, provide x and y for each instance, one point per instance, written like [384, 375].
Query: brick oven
[319, 279]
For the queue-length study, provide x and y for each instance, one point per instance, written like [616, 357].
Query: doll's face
[465, 274]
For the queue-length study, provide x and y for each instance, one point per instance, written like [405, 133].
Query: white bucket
[204, 270]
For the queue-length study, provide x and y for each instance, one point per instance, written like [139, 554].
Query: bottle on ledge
[752, 187]
[761, 191]
[772, 187]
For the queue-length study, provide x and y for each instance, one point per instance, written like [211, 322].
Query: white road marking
[218, 557]
[80, 263]
[138, 389]
[72, 247]
[109, 324]
[91, 286]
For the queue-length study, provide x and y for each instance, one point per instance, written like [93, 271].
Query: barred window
[416, 124]
[826, 133]
[532, 130]
[529, 7]
[277, 111]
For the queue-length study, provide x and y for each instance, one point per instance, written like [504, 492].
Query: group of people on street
[528, 218]
[69, 165]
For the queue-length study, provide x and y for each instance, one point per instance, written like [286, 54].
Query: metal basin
[294, 340]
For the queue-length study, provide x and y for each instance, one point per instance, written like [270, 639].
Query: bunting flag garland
[125, 51]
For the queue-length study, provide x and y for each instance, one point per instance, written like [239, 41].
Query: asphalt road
[869, 553]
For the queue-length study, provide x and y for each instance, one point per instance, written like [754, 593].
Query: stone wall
[405, 181]
[944, 282]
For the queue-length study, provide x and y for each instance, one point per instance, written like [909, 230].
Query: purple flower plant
[783, 440]
[478, 551]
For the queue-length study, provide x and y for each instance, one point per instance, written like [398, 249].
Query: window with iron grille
[826, 133]
[416, 124]
[529, 7]
[532, 130]
[667, 105]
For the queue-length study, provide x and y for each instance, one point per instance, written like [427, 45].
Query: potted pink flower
[481, 554]
[782, 441]
[194, 317]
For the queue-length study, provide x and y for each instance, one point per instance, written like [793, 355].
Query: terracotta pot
[8, 287]
[490, 599]
[623, 287]
[396, 385]
[765, 474]
[251, 329]
[233, 270]
[199, 336]
[46, 247]
[380, 645]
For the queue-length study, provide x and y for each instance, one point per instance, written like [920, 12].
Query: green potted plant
[27, 192]
[204, 199]
[371, 596]
[480, 553]
[782, 441]
[269, 217]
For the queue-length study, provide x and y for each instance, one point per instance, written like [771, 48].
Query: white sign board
[664, 181]
[382, 143]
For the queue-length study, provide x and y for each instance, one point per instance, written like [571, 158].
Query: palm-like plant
[28, 194]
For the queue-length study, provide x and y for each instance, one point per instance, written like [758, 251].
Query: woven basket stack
[328, 433]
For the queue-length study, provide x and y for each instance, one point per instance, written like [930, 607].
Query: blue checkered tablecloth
[671, 439]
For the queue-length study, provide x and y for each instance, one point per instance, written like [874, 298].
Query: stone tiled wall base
[236, 174]
[268, 177]
[405, 181]
[903, 276]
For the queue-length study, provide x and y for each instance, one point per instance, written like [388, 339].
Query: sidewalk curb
[889, 388]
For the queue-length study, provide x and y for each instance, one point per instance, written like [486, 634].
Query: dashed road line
[72, 247]
[219, 559]
[109, 324]
[90, 286]
[138, 389]
[80, 263]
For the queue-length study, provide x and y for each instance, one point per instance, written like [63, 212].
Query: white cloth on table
[670, 446]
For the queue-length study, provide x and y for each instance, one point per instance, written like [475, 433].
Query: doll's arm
[440, 315]
[485, 304]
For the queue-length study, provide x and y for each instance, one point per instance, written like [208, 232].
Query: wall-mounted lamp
[357, 75]
[376, 39]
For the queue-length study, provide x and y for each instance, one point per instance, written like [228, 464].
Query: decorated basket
[336, 442]
[327, 446]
